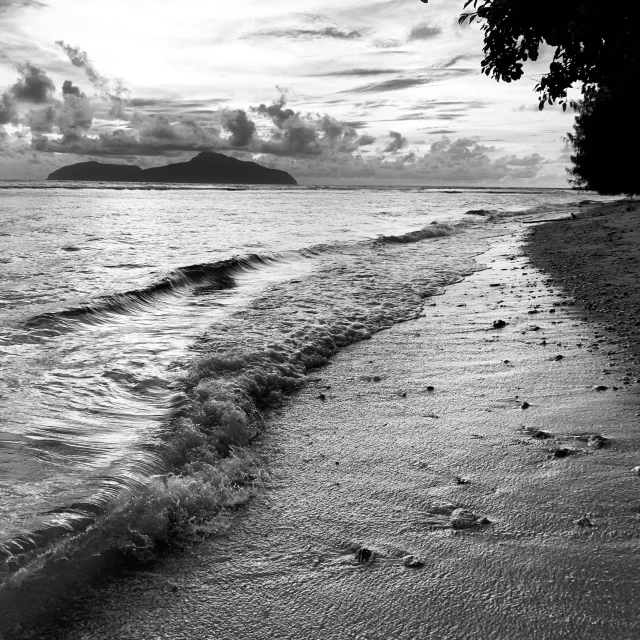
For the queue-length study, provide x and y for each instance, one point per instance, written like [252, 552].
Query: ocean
[146, 332]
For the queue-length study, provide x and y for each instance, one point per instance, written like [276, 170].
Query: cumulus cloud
[531, 160]
[8, 109]
[397, 142]
[295, 134]
[365, 139]
[460, 161]
[306, 144]
[34, 85]
[155, 137]
[238, 124]
[114, 90]
[69, 89]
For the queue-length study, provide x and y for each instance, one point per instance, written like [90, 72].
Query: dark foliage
[596, 43]
[604, 159]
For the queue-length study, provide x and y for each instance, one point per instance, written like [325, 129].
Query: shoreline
[370, 467]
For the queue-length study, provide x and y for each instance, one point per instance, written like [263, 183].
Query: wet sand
[444, 413]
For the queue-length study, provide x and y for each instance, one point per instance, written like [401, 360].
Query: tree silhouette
[596, 43]
[604, 153]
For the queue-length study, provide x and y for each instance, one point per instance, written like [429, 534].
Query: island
[98, 171]
[212, 168]
[205, 168]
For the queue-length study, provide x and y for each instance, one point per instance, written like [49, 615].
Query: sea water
[145, 331]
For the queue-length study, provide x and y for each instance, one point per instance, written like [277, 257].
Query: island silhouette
[205, 168]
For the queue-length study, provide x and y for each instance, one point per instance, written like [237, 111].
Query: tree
[604, 152]
[596, 43]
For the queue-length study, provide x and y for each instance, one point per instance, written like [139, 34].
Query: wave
[200, 462]
[434, 230]
[215, 276]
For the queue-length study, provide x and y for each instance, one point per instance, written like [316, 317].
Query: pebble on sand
[541, 435]
[636, 471]
[413, 562]
[584, 522]
[597, 441]
[499, 324]
[525, 405]
[364, 556]
[600, 387]
[466, 519]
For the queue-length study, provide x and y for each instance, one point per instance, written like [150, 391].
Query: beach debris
[596, 441]
[466, 519]
[559, 357]
[412, 562]
[364, 556]
[499, 324]
[525, 405]
[584, 521]
[506, 361]
[431, 388]
[562, 452]
[538, 434]
[636, 471]
[600, 387]
[461, 480]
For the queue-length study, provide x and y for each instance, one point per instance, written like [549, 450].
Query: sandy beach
[483, 469]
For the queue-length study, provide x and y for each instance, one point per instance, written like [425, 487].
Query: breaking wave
[199, 462]
[209, 276]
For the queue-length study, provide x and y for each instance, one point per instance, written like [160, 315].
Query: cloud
[296, 134]
[461, 161]
[80, 59]
[157, 136]
[527, 161]
[358, 72]
[12, 5]
[365, 139]
[424, 32]
[113, 89]
[390, 85]
[334, 33]
[454, 60]
[238, 124]
[397, 142]
[69, 89]
[34, 85]
[388, 44]
[8, 108]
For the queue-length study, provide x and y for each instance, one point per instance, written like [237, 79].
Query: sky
[335, 92]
